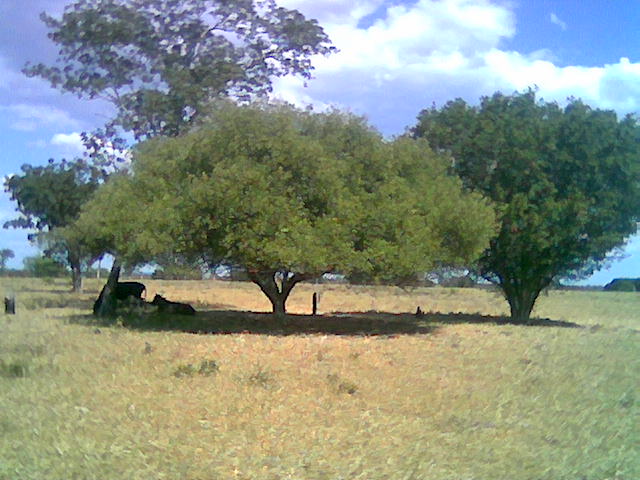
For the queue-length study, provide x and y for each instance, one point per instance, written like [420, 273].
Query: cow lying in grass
[167, 306]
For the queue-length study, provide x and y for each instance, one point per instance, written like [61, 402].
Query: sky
[395, 59]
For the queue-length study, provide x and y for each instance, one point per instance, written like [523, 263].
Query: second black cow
[168, 306]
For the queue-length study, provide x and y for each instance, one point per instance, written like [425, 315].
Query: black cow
[168, 306]
[122, 291]
[129, 289]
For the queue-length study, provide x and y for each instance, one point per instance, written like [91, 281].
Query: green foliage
[48, 199]
[161, 61]
[50, 196]
[290, 195]
[177, 272]
[42, 267]
[114, 218]
[565, 182]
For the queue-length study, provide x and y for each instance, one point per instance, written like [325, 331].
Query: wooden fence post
[10, 305]
[314, 304]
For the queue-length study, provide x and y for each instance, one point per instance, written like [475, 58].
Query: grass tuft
[207, 368]
[14, 369]
[187, 370]
[260, 376]
[340, 385]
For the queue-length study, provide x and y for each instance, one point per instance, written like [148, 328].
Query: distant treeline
[623, 285]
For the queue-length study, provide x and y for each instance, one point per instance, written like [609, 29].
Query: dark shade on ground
[351, 323]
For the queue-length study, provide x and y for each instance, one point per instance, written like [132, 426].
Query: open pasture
[456, 394]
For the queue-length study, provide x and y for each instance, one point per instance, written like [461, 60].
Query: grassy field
[458, 394]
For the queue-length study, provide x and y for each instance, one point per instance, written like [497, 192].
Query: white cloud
[27, 117]
[412, 34]
[415, 54]
[70, 142]
[556, 21]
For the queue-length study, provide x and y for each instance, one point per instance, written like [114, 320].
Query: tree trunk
[105, 305]
[521, 301]
[10, 305]
[76, 278]
[277, 294]
[76, 272]
[278, 304]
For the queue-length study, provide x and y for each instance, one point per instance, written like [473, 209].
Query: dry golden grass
[374, 396]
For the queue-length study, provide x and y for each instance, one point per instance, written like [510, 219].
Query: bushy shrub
[42, 267]
[177, 272]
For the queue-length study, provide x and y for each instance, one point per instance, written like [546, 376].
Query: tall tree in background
[160, 62]
[5, 254]
[49, 198]
[565, 181]
[290, 195]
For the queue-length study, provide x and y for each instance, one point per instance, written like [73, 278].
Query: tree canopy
[49, 198]
[160, 62]
[565, 181]
[290, 195]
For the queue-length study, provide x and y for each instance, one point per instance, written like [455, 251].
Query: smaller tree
[566, 183]
[43, 267]
[5, 254]
[49, 198]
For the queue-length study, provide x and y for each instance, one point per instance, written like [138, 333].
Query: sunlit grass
[459, 400]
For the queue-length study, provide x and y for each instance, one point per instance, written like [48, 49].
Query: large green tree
[565, 181]
[160, 62]
[49, 198]
[290, 195]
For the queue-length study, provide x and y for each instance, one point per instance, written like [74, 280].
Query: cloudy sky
[396, 58]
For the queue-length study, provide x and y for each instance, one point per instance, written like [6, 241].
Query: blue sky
[396, 58]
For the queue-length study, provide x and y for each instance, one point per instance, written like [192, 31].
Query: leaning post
[314, 304]
[10, 305]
